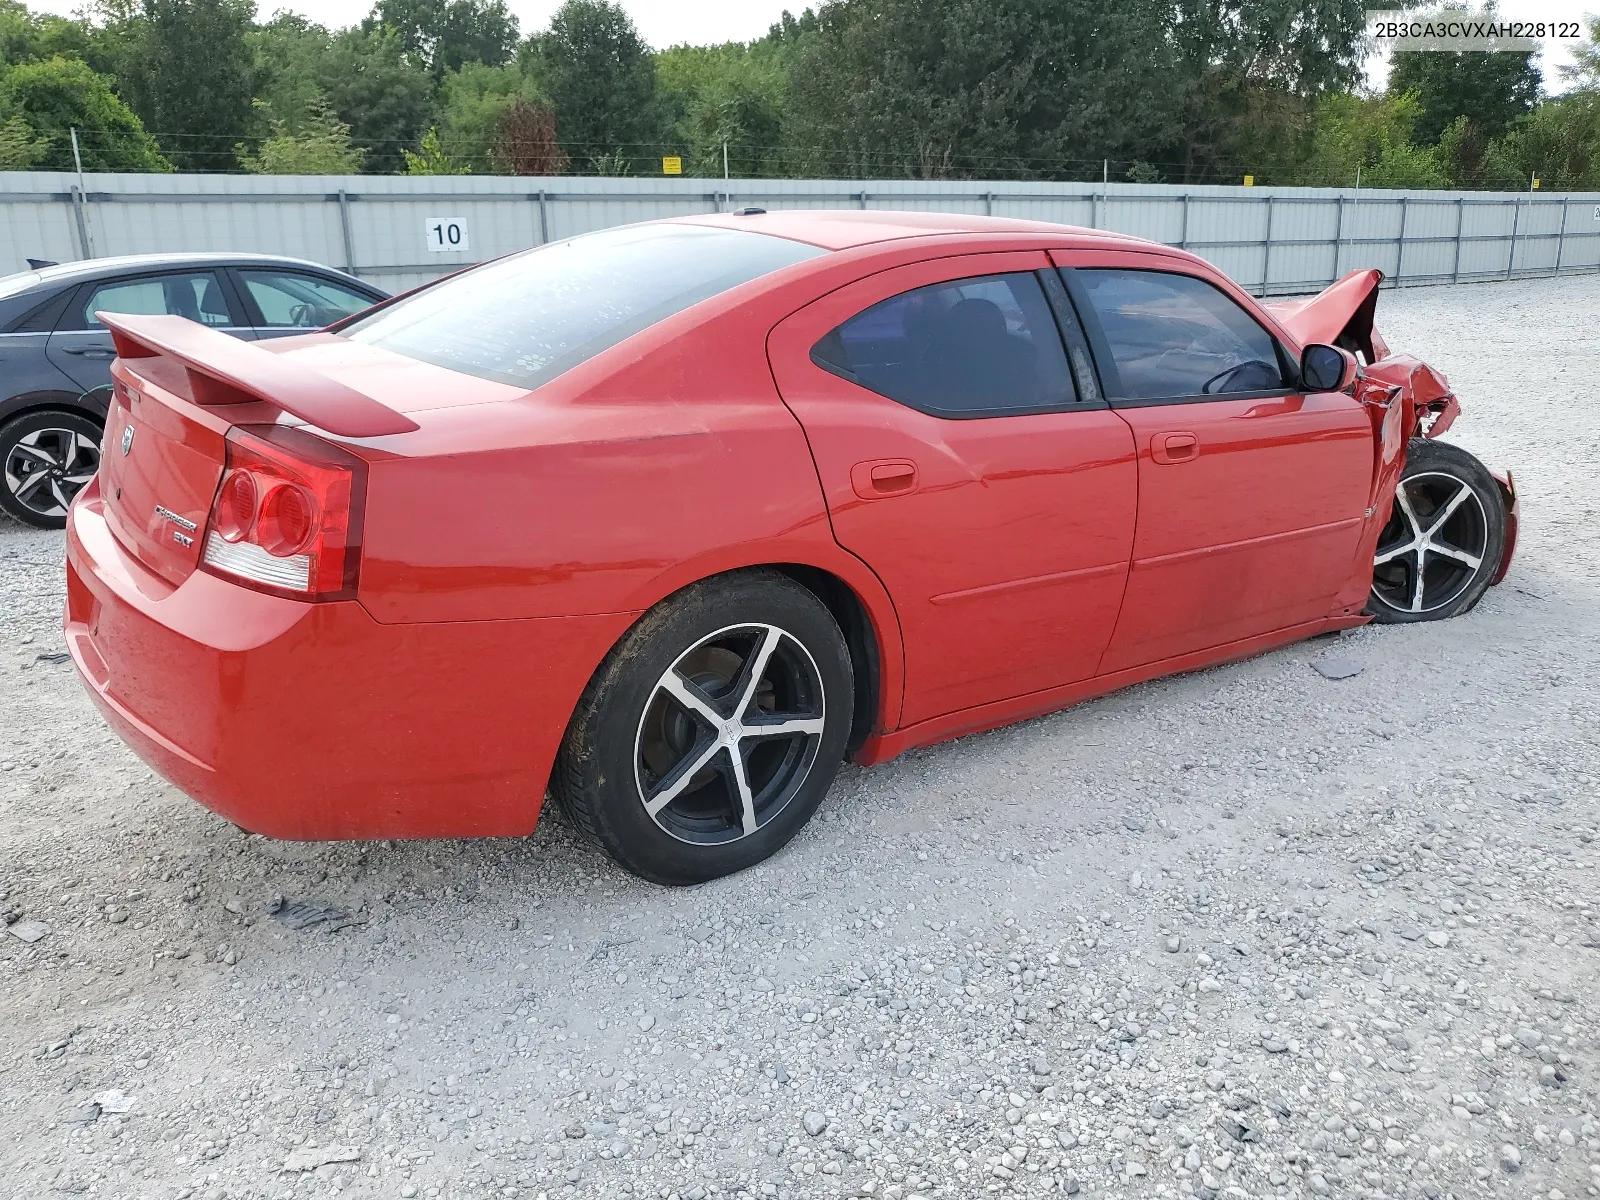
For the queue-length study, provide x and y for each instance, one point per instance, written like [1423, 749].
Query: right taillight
[287, 515]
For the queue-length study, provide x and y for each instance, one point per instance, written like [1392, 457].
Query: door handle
[883, 477]
[1172, 448]
[91, 351]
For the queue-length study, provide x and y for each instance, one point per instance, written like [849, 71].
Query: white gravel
[1253, 932]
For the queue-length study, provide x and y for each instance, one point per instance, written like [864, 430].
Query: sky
[665, 23]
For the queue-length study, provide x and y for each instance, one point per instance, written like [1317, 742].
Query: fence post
[1400, 243]
[1266, 256]
[861, 199]
[1516, 224]
[544, 220]
[1561, 238]
[1338, 238]
[344, 225]
[83, 226]
[1094, 210]
[988, 204]
[1183, 233]
[1461, 215]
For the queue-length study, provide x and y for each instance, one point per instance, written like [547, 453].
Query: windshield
[526, 319]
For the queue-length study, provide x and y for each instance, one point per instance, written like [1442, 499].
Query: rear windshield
[526, 319]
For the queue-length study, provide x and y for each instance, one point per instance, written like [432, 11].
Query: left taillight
[287, 515]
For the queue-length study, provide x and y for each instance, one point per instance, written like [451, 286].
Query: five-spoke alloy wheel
[45, 460]
[1439, 551]
[711, 732]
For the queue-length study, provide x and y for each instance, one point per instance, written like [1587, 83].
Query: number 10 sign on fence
[445, 235]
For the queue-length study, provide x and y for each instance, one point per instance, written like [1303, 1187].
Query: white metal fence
[397, 231]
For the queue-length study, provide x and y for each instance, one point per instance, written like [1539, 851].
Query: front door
[1252, 492]
[963, 464]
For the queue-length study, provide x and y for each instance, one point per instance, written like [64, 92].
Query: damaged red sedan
[667, 520]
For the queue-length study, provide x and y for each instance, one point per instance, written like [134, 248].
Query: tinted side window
[197, 296]
[971, 347]
[290, 300]
[1175, 335]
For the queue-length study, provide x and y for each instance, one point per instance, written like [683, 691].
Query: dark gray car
[55, 358]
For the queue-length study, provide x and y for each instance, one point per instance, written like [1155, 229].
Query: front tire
[1442, 545]
[45, 460]
[711, 732]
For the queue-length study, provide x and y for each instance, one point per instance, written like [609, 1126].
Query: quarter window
[984, 346]
[1173, 336]
[198, 297]
[291, 301]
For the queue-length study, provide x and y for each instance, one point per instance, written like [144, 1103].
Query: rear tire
[46, 457]
[1443, 543]
[711, 731]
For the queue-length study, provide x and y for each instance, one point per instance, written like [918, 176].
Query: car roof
[92, 268]
[843, 229]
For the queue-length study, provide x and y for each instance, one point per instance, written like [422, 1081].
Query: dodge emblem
[127, 439]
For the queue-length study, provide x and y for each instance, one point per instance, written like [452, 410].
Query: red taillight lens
[234, 515]
[287, 516]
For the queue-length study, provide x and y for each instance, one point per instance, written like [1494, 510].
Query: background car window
[1175, 335]
[971, 347]
[526, 319]
[198, 297]
[293, 301]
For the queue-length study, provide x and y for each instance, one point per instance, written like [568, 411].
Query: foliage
[430, 159]
[1372, 135]
[19, 149]
[730, 95]
[601, 82]
[59, 94]
[474, 102]
[1471, 160]
[34, 37]
[191, 80]
[1559, 142]
[525, 140]
[1583, 72]
[1491, 90]
[448, 34]
[320, 147]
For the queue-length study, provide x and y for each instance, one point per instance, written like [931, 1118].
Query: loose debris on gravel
[1248, 933]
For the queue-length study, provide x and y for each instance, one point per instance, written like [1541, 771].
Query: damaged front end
[1405, 397]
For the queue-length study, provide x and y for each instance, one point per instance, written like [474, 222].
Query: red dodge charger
[667, 520]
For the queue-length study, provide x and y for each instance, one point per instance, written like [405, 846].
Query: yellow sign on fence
[1249, 181]
[671, 164]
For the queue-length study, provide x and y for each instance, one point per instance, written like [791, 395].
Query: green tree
[732, 95]
[473, 101]
[448, 34]
[431, 159]
[1471, 160]
[1559, 142]
[1491, 90]
[59, 94]
[372, 84]
[936, 88]
[1583, 72]
[191, 80]
[601, 82]
[320, 147]
[33, 37]
[19, 149]
[1371, 134]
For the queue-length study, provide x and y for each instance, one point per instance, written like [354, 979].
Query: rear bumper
[314, 721]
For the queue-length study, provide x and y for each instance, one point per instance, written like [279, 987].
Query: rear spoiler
[226, 370]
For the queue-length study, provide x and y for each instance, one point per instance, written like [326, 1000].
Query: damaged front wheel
[1439, 551]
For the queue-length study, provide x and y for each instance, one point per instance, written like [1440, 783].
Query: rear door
[280, 302]
[81, 346]
[962, 462]
[1252, 492]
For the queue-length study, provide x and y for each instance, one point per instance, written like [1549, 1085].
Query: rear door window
[197, 295]
[978, 347]
[1173, 336]
[526, 319]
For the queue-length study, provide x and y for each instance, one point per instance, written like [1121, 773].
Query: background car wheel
[1439, 551]
[45, 459]
[712, 730]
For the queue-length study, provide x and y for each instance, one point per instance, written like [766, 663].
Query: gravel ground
[1249, 933]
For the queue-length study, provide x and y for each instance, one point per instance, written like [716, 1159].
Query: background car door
[81, 346]
[1252, 494]
[281, 303]
[960, 464]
